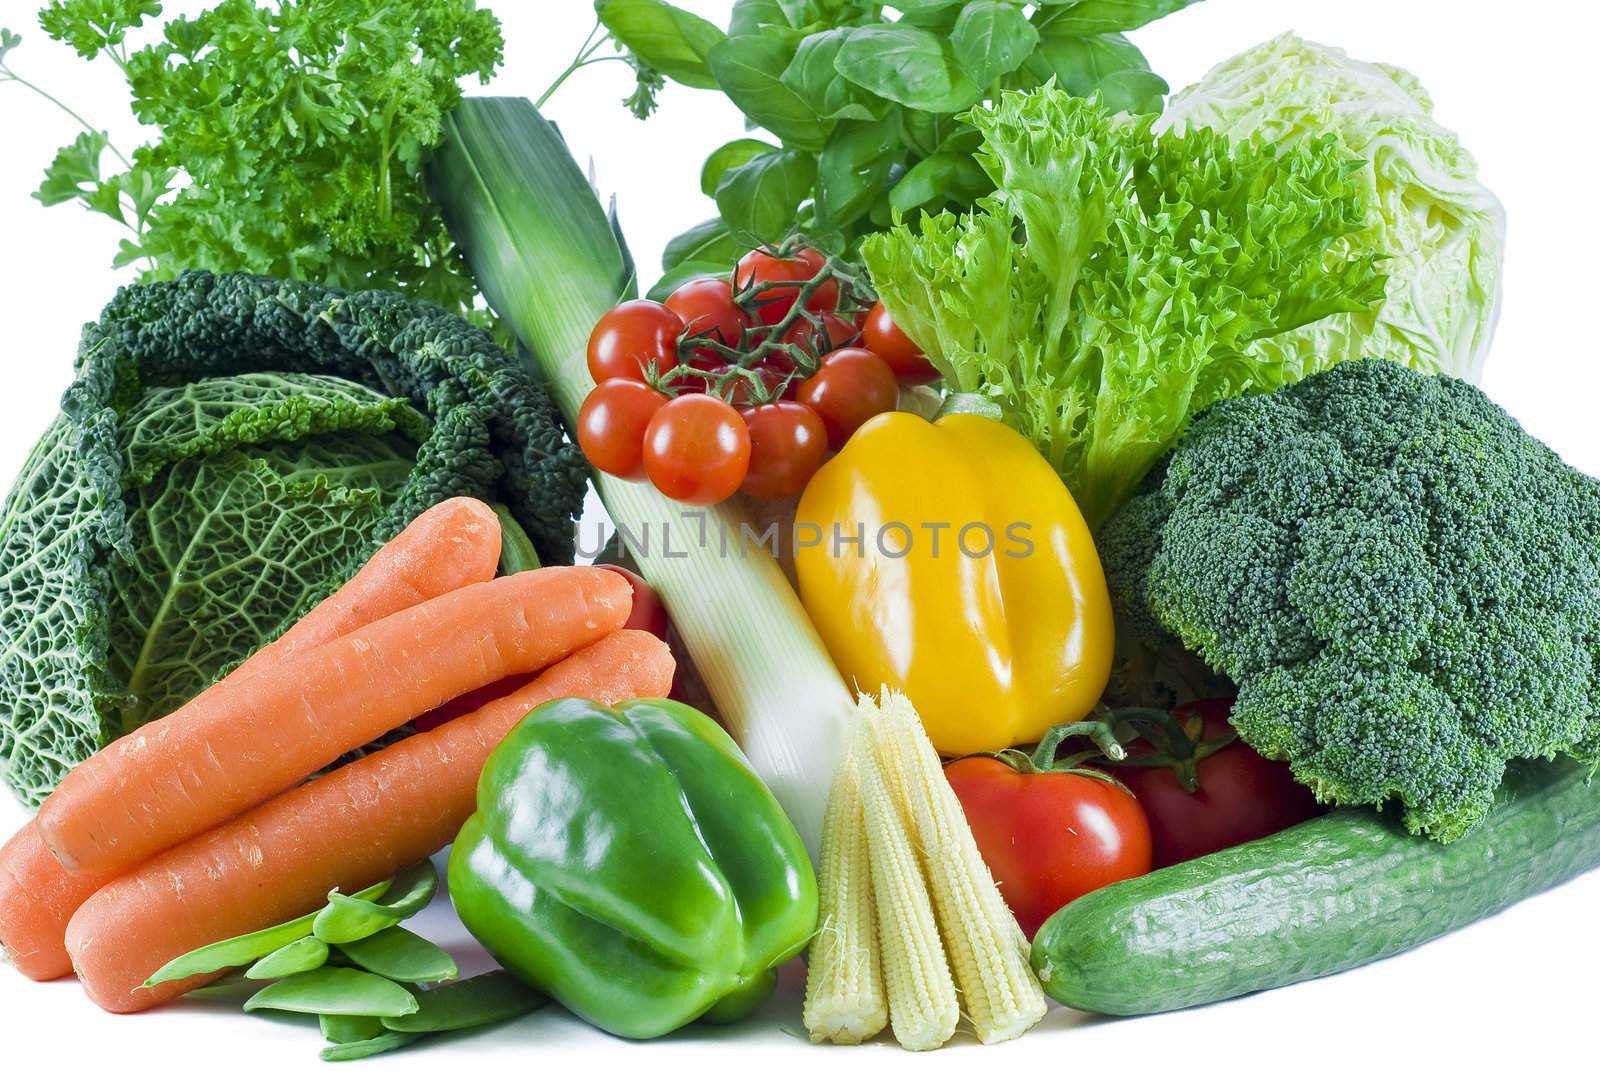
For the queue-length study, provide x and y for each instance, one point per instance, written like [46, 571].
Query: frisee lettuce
[1116, 280]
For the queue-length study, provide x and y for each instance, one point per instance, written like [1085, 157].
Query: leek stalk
[550, 263]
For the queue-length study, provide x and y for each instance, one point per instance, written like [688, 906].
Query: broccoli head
[1403, 583]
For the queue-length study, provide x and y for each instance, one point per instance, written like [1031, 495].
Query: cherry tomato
[790, 273]
[648, 614]
[612, 422]
[1050, 838]
[706, 307]
[697, 449]
[881, 335]
[772, 374]
[787, 445]
[851, 387]
[1238, 796]
[836, 333]
[632, 337]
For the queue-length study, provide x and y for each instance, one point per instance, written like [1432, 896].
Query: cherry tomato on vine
[787, 445]
[612, 423]
[773, 375]
[882, 336]
[1050, 837]
[697, 449]
[706, 307]
[851, 387]
[1236, 795]
[633, 337]
[648, 615]
[789, 274]
[836, 332]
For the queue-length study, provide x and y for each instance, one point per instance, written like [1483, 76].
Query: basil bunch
[862, 105]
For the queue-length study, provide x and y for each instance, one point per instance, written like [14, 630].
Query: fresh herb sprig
[291, 137]
[862, 104]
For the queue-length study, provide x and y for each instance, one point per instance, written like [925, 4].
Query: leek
[550, 263]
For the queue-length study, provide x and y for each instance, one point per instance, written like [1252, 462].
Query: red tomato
[648, 614]
[1238, 796]
[836, 333]
[772, 375]
[880, 335]
[851, 387]
[633, 337]
[787, 275]
[787, 445]
[697, 450]
[612, 422]
[706, 307]
[1050, 838]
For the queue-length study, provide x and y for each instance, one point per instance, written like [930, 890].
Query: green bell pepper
[628, 862]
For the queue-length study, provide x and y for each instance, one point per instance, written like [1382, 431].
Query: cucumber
[1324, 896]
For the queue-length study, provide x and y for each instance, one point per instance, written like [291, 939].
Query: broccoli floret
[1403, 583]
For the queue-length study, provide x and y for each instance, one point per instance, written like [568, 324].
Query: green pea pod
[402, 956]
[335, 991]
[480, 1001]
[629, 863]
[348, 919]
[388, 1041]
[344, 1029]
[297, 957]
[249, 947]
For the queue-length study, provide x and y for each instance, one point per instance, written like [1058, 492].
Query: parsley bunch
[292, 137]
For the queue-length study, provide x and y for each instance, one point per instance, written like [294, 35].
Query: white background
[1514, 79]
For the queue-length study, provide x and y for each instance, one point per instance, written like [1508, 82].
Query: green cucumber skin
[1327, 895]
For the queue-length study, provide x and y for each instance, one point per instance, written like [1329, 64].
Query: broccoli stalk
[1403, 583]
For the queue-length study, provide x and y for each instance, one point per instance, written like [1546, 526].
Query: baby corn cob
[845, 1002]
[985, 945]
[923, 1008]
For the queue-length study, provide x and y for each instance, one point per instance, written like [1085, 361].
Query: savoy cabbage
[232, 448]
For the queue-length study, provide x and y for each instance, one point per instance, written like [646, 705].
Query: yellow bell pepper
[948, 561]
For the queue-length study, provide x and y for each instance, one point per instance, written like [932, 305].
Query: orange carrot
[449, 546]
[37, 897]
[355, 826]
[231, 748]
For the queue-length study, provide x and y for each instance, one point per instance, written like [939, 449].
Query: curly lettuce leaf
[1440, 230]
[1116, 281]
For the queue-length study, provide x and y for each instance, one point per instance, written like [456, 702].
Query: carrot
[37, 897]
[448, 546]
[355, 826]
[230, 748]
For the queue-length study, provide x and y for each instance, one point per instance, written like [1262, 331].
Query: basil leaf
[909, 66]
[710, 242]
[853, 169]
[991, 39]
[762, 197]
[401, 956]
[388, 1041]
[249, 947]
[813, 77]
[927, 133]
[306, 954]
[727, 157]
[1105, 16]
[473, 1002]
[335, 991]
[772, 17]
[344, 1029]
[941, 178]
[347, 918]
[750, 70]
[679, 274]
[1108, 63]
[671, 40]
